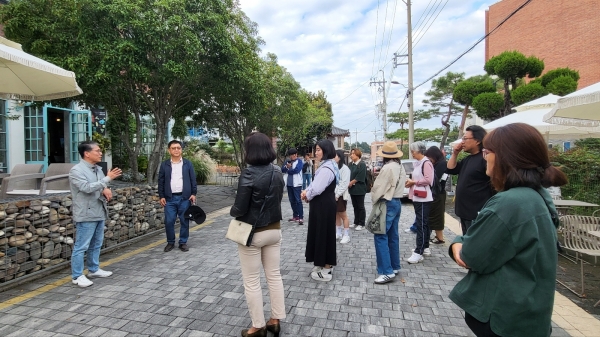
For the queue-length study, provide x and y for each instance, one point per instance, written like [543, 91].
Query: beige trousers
[265, 250]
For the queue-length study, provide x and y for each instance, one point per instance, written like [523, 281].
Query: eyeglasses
[465, 138]
[486, 152]
[175, 148]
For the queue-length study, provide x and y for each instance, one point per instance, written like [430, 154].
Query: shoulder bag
[242, 232]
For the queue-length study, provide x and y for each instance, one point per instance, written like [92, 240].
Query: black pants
[479, 329]
[422, 222]
[360, 214]
[465, 224]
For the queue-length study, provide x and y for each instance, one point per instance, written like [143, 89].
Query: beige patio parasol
[579, 108]
[26, 77]
[533, 113]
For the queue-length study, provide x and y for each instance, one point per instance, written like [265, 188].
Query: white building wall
[15, 134]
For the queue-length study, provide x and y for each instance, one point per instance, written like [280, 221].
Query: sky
[339, 46]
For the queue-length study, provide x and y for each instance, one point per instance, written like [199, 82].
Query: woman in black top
[438, 206]
[261, 183]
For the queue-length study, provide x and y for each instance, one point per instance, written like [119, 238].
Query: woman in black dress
[320, 240]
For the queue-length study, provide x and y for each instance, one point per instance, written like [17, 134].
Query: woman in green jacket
[510, 249]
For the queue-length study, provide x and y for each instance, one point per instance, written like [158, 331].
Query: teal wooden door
[80, 129]
[36, 147]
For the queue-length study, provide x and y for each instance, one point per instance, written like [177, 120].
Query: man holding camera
[293, 168]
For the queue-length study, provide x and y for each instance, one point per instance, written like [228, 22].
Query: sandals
[437, 241]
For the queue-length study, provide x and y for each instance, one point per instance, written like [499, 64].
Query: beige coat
[389, 183]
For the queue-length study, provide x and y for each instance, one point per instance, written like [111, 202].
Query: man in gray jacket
[90, 193]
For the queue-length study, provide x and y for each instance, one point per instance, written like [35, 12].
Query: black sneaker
[169, 247]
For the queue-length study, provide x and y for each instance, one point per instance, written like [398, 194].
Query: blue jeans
[176, 207]
[423, 231]
[88, 238]
[295, 201]
[387, 246]
[306, 180]
[413, 228]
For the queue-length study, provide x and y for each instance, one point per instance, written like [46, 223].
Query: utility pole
[411, 121]
[384, 105]
[375, 133]
[356, 137]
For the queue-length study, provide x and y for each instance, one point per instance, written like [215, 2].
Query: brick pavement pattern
[200, 292]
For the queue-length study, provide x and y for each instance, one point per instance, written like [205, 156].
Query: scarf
[334, 167]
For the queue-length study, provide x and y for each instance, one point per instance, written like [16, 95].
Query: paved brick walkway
[200, 293]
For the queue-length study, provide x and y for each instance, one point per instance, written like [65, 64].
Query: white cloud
[333, 46]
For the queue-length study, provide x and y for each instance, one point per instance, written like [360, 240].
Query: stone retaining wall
[37, 234]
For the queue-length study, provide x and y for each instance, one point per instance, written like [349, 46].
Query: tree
[558, 72]
[488, 105]
[160, 57]
[402, 119]
[510, 66]
[562, 85]
[467, 90]
[528, 92]
[441, 100]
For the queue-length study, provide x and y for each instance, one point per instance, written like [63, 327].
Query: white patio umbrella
[579, 108]
[533, 112]
[26, 77]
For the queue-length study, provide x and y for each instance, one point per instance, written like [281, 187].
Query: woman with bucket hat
[389, 186]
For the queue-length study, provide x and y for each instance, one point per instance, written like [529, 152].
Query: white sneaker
[338, 236]
[396, 271]
[100, 273]
[359, 228]
[426, 251]
[352, 225]
[321, 275]
[316, 269]
[381, 279]
[409, 231]
[82, 281]
[345, 239]
[415, 258]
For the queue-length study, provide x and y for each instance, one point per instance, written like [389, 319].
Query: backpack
[438, 184]
[304, 167]
[369, 180]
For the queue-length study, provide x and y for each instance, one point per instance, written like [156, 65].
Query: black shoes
[262, 332]
[274, 328]
[184, 247]
[169, 247]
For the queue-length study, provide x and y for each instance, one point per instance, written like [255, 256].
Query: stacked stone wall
[40, 233]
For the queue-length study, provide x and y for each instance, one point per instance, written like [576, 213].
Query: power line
[350, 93]
[476, 43]
[392, 29]
[375, 46]
[427, 29]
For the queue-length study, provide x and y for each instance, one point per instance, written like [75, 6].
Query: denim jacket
[87, 182]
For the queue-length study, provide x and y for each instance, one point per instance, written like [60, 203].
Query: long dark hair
[340, 154]
[521, 158]
[434, 154]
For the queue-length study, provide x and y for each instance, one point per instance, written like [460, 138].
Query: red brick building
[564, 33]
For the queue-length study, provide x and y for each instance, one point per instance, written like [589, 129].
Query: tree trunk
[156, 157]
[446, 124]
[507, 106]
[463, 120]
